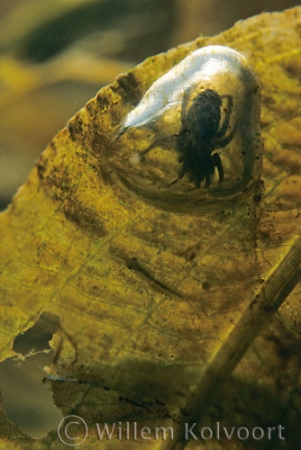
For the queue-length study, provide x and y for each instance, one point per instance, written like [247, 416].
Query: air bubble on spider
[194, 138]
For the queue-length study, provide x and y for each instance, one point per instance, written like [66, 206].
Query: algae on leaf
[156, 308]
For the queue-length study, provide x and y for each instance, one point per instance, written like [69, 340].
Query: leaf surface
[157, 308]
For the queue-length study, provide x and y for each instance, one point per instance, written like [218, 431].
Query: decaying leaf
[157, 308]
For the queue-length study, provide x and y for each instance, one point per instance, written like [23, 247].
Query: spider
[201, 133]
[192, 112]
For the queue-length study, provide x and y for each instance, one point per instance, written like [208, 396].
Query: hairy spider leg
[225, 124]
[158, 142]
[207, 182]
[222, 140]
[217, 162]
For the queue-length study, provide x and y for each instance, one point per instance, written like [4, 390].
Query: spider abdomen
[203, 117]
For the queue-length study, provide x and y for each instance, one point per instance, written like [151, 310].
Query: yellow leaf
[157, 308]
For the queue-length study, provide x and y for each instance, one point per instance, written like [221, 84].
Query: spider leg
[223, 142]
[158, 142]
[225, 124]
[181, 175]
[208, 181]
[217, 162]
